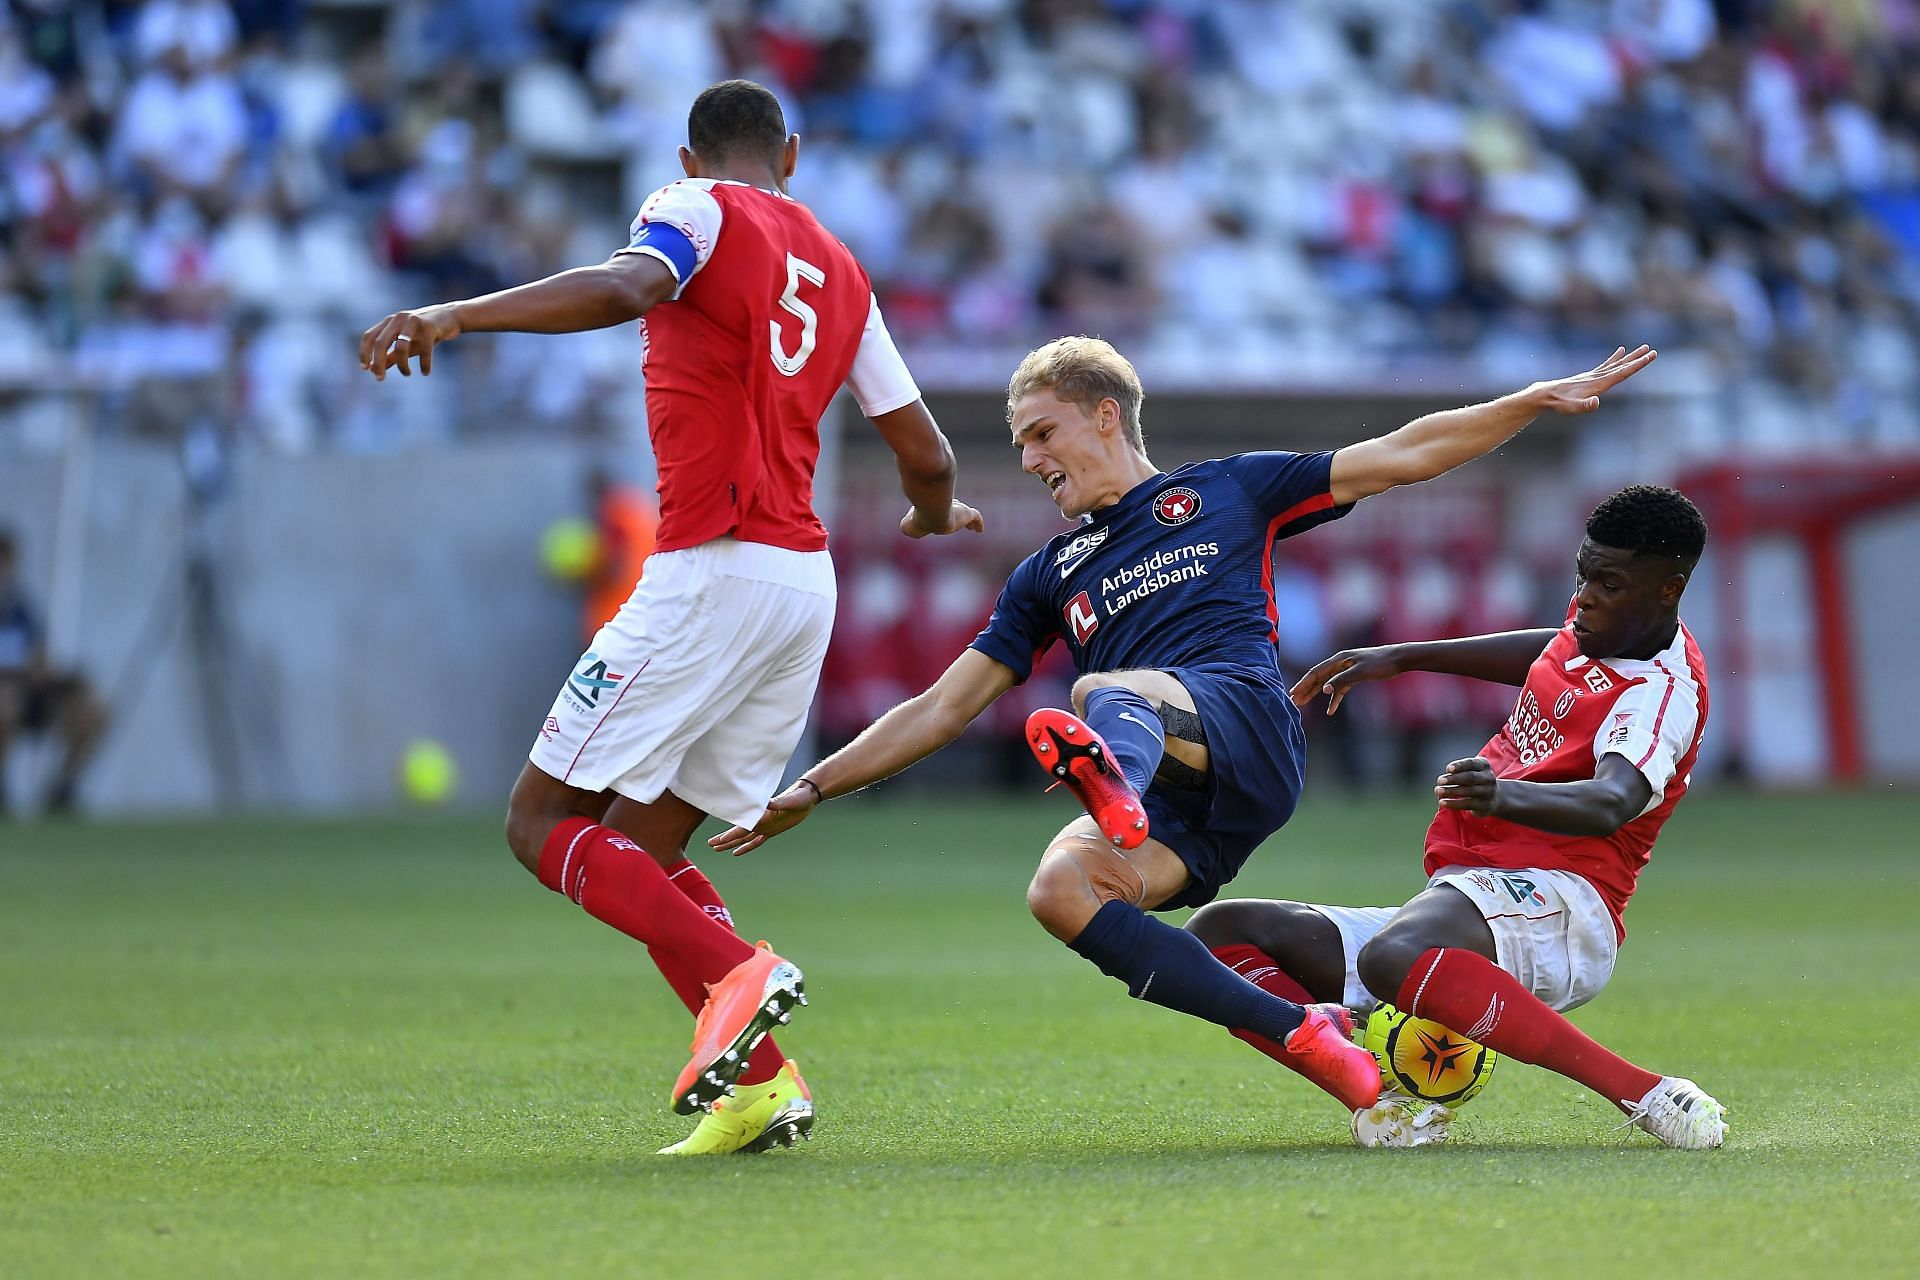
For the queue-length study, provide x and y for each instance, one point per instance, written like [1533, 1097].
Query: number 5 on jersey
[798, 269]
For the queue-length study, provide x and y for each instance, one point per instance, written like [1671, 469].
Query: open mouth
[1054, 479]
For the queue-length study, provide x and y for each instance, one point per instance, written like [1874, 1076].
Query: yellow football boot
[756, 1117]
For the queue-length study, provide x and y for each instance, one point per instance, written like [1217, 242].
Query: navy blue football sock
[1171, 967]
[1132, 730]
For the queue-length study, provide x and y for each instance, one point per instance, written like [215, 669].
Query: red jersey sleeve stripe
[1319, 502]
[1659, 718]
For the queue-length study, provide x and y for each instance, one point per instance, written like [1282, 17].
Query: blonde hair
[1082, 371]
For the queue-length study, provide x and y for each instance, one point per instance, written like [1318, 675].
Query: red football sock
[1259, 968]
[1465, 990]
[689, 983]
[617, 882]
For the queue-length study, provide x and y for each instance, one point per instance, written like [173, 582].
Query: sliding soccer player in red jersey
[691, 699]
[1539, 841]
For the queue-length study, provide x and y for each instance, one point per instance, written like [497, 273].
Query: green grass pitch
[289, 1048]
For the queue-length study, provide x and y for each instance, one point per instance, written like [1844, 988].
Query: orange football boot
[1068, 748]
[758, 993]
[1324, 1052]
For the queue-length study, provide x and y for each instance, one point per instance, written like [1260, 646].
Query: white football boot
[1400, 1120]
[1681, 1114]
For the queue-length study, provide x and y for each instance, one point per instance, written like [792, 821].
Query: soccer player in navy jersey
[1182, 742]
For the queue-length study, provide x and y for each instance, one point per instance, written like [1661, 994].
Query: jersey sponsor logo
[1597, 679]
[1622, 729]
[1534, 737]
[1075, 553]
[1176, 506]
[1159, 570]
[589, 679]
[1081, 617]
[1564, 703]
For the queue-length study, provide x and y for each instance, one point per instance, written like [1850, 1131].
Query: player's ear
[689, 162]
[1108, 411]
[790, 155]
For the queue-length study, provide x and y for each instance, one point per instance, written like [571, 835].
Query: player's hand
[1334, 676]
[407, 335]
[784, 812]
[1581, 392]
[959, 516]
[1467, 785]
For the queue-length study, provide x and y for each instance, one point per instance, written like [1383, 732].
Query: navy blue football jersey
[1178, 572]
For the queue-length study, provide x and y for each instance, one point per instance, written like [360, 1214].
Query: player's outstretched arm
[927, 472]
[1597, 806]
[1502, 658]
[909, 733]
[624, 287]
[1436, 444]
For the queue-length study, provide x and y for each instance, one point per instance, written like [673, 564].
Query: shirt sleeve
[1022, 626]
[1294, 490]
[679, 224]
[1652, 725]
[880, 379]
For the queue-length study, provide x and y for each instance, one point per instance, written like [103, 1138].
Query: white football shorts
[1550, 929]
[700, 685]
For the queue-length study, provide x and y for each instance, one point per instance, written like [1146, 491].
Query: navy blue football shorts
[1257, 761]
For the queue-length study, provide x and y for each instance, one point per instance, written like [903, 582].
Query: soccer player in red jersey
[691, 699]
[1538, 842]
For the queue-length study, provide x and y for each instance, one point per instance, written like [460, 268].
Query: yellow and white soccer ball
[1423, 1059]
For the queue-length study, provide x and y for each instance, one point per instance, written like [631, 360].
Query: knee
[1224, 924]
[1385, 961]
[1086, 685]
[1056, 887]
[529, 823]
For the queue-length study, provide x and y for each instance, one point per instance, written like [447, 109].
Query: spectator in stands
[34, 697]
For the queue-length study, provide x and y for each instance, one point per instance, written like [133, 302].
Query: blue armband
[670, 243]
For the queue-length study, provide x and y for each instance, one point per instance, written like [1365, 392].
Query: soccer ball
[1424, 1059]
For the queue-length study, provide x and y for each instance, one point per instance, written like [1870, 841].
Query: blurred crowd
[215, 196]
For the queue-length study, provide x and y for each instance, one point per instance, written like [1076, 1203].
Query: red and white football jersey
[1572, 711]
[772, 315]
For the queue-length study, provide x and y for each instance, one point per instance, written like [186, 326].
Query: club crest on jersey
[1176, 506]
[1074, 554]
[1564, 703]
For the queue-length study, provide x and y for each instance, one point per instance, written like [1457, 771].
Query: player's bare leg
[1441, 916]
[539, 803]
[1302, 942]
[1435, 959]
[1090, 895]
